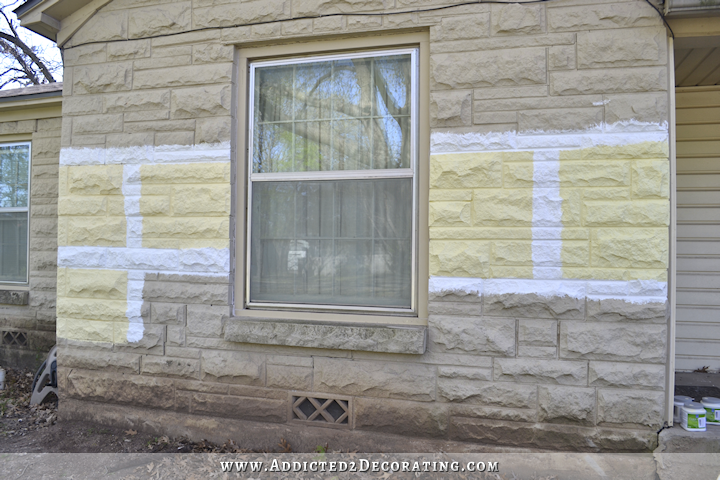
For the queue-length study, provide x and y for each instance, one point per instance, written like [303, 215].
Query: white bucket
[678, 402]
[712, 409]
[2, 379]
[693, 417]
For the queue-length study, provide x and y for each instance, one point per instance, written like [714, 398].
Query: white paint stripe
[634, 291]
[186, 261]
[146, 155]
[131, 188]
[615, 135]
[547, 215]
[136, 284]
[451, 284]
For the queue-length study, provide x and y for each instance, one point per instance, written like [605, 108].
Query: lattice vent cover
[322, 410]
[17, 339]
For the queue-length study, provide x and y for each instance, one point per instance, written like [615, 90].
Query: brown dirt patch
[35, 429]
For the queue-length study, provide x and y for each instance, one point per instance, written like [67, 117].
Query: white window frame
[411, 172]
[21, 209]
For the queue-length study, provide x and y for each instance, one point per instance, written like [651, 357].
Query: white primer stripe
[468, 286]
[633, 291]
[131, 188]
[547, 215]
[448, 142]
[134, 309]
[146, 155]
[186, 261]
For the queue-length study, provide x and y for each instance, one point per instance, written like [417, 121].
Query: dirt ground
[34, 429]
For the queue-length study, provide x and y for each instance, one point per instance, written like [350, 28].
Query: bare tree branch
[12, 80]
[27, 51]
[10, 24]
[32, 67]
[27, 70]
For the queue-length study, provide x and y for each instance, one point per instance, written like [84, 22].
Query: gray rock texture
[14, 297]
[408, 340]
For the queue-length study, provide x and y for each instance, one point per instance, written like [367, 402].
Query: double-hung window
[332, 182]
[14, 201]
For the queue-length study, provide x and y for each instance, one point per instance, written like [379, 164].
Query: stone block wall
[549, 208]
[27, 313]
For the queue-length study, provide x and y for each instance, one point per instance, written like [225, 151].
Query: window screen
[332, 182]
[14, 201]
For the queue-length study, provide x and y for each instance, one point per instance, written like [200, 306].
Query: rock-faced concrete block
[500, 394]
[618, 310]
[626, 375]
[526, 370]
[644, 343]
[566, 404]
[537, 332]
[233, 367]
[398, 417]
[375, 379]
[531, 305]
[482, 336]
[551, 437]
[251, 408]
[120, 388]
[630, 407]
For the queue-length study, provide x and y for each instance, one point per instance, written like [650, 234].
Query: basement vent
[15, 339]
[328, 411]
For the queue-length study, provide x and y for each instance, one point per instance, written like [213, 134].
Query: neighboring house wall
[27, 311]
[698, 320]
[548, 219]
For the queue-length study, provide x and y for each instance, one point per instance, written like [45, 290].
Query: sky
[50, 51]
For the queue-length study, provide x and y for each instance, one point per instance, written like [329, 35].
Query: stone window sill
[14, 297]
[406, 339]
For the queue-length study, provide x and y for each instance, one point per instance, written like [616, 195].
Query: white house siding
[697, 340]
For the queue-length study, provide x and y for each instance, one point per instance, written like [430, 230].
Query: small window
[14, 202]
[332, 182]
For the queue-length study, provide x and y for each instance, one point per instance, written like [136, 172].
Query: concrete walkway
[530, 466]
[677, 440]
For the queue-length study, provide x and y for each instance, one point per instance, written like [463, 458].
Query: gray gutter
[25, 7]
[32, 96]
[686, 8]
[33, 92]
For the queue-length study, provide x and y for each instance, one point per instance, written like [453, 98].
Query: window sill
[406, 339]
[14, 297]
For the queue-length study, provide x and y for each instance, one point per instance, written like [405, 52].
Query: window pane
[272, 148]
[313, 91]
[13, 246]
[344, 242]
[14, 162]
[275, 103]
[349, 114]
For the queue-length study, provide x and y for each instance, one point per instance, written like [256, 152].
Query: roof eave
[31, 16]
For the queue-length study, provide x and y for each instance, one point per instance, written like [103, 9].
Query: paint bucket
[678, 402]
[693, 417]
[712, 409]
[2, 379]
